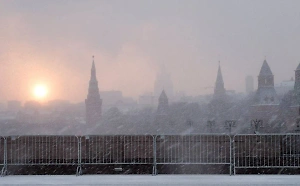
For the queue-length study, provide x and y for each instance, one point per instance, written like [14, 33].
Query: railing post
[233, 152]
[154, 171]
[4, 168]
[79, 170]
[230, 148]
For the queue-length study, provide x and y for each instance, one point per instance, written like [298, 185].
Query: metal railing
[119, 149]
[267, 151]
[3, 157]
[238, 152]
[205, 149]
[42, 150]
[193, 149]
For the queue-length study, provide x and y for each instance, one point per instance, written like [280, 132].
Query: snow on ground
[148, 180]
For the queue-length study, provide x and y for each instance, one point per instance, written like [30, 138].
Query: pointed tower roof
[93, 71]
[163, 104]
[265, 69]
[163, 95]
[298, 68]
[93, 102]
[219, 76]
[219, 86]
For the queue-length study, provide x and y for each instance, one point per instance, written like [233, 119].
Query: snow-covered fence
[193, 149]
[2, 155]
[266, 151]
[42, 150]
[116, 149]
[239, 151]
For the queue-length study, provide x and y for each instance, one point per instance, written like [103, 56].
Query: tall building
[162, 114]
[219, 91]
[163, 104]
[295, 106]
[93, 102]
[220, 104]
[266, 94]
[249, 84]
[266, 102]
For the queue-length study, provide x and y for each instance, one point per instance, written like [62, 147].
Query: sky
[52, 42]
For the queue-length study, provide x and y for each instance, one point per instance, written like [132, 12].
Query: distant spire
[163, 96]
[93, 101]
[219, 86]
[93, 71]
[220, 81]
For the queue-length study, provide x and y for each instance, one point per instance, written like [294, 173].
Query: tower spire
[93, 102]
[93, 71]
[266, 93]
[219, 85]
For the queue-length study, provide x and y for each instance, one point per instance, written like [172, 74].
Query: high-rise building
[93, 102]
[163, 104]
[162, 114]
[249, 84]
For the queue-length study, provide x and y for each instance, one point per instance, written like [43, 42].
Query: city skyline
[52, 43]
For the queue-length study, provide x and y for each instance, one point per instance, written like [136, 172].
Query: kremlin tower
[93, 103]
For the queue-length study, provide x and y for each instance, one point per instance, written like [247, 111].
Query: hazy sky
[52, 42]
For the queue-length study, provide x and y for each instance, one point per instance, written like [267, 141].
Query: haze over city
[51, 43]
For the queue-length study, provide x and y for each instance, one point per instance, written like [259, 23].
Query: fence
[3, 155]
[193, 149]
[239, 151]
[267, 151]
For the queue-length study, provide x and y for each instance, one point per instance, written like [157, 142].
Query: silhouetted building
[284, 87]
[162, 114]
[163, 104]
[219, 91]
[249, 84]
[266, 102]
[220, 105]
[93, 102]
[294, 114]
[266, 94]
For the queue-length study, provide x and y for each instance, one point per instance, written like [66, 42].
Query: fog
[52, 42]
[149, 87]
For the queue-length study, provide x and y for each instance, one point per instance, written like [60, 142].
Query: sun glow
[40, 91]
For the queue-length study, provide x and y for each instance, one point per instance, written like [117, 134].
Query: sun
[40, 91]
